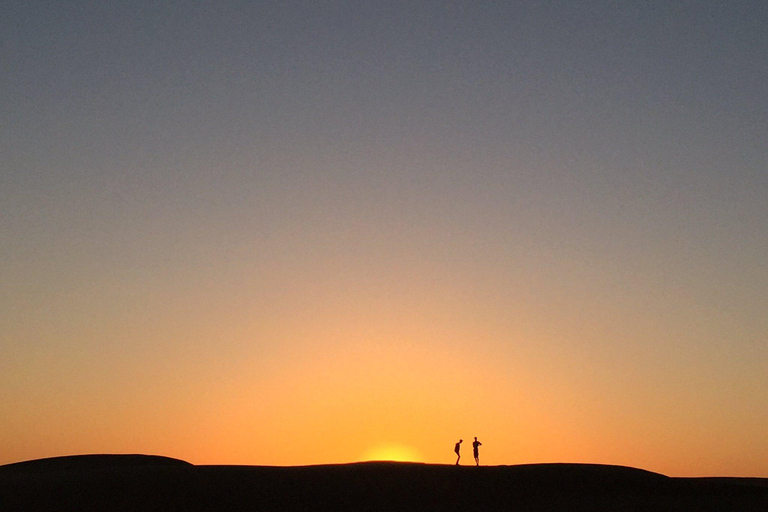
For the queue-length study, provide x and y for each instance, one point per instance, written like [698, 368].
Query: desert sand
[148, 483]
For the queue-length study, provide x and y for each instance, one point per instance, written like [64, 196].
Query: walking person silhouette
[475, 451]
[456, 449]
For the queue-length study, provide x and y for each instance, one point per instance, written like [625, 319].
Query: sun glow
[392, 452]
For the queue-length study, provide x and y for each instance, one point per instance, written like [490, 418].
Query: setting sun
[392, 452]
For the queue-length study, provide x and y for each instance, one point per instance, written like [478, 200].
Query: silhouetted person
[456, 449]
[475, 446]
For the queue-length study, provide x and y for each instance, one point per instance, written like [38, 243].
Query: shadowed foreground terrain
[147, 483]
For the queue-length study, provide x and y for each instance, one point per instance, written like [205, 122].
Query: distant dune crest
[93, 461]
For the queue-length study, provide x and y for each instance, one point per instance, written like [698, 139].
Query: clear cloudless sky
[318, 232]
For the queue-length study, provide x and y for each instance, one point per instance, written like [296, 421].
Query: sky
[288, 233]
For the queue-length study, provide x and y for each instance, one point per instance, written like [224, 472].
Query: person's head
[460, 440]
[475, 438]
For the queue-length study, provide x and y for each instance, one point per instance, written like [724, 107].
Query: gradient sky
[317, 232]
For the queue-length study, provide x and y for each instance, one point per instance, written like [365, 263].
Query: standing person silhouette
[475, 446]
[456, 449]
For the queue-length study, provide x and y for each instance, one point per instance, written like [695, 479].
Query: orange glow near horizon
[379, 400]
[392, 452]
[338, 402]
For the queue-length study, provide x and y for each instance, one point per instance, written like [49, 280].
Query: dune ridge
[93, 462]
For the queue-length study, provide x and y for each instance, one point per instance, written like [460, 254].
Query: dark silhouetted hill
[142, 483]
[92, 462]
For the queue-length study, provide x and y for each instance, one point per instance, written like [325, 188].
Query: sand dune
[146, 483]
[91, 462]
